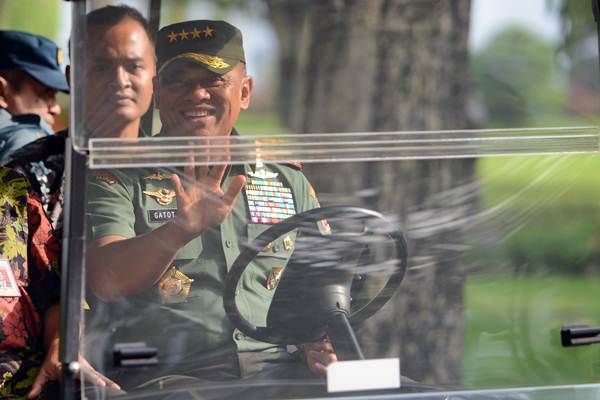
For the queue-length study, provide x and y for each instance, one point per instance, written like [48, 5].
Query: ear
[247, 86]
[68, 75]
[4, 92]
[155, 92]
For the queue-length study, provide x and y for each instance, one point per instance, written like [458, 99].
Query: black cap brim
[50, 77]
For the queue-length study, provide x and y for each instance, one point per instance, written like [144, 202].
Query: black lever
[579, 335]
[135, 354]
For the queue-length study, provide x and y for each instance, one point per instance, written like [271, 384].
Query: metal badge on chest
[163, 196]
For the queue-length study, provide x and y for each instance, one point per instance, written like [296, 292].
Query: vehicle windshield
[292, 199]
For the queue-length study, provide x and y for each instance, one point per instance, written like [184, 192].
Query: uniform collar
[7, 119]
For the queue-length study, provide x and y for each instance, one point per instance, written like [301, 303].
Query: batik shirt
[33, 252]
[43, 163]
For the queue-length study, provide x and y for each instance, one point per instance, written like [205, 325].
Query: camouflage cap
[216, 45]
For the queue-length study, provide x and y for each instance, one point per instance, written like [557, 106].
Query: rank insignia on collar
[157, 176]
[174, 286]
[273, 278]
[164, 197]
[105, 176]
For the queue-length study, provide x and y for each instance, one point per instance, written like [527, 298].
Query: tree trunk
[390, 65]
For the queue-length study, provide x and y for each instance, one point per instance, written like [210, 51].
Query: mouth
[197, 115]
[123, 99]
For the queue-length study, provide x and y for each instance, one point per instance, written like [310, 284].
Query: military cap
[216, 45]
[36, 55]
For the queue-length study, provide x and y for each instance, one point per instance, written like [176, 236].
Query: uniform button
[238, 336]
[228, 243]
[276, 248]
[237, 292]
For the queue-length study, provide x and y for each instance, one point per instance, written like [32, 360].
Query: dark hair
[14, 76]
[109, 16]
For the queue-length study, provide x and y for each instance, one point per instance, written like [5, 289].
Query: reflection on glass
[474, 151]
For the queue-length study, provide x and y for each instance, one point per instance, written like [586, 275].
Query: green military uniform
[189, 325]
[183, 314]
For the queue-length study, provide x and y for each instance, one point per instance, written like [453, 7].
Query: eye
[173, 81]
[217, 81]
[99, 67]
[136, 67]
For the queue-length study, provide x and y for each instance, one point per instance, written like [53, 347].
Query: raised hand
[201, 202]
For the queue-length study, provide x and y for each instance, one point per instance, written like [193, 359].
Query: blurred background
[480, 64]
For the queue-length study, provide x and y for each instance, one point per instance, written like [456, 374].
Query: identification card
[8, 283]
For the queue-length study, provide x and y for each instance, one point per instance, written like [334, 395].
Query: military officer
[161, 241]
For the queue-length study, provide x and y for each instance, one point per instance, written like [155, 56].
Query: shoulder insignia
[105, 176]
[294, 164]
[157, 176]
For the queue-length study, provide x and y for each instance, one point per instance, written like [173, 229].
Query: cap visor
[49, 77]
[218, 65]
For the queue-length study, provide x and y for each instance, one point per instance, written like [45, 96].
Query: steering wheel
[330, 282]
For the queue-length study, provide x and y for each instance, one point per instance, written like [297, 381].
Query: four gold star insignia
[196, 34]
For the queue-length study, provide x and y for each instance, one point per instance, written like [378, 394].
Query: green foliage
[37, 16]
[555, 212]
[517, 77]
[577, 21]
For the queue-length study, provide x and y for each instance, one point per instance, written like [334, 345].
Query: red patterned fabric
[29, 244]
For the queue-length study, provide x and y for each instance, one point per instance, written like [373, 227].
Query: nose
[198, 92]
[54, 109]
[121, 78]
[53, 106]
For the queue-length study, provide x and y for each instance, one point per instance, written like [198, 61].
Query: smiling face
[119, 71]
[196, 102]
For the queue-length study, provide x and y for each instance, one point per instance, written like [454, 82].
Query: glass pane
[408, 180]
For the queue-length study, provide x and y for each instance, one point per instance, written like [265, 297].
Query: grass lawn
[512, 330]
[549, 274]
[253, 123]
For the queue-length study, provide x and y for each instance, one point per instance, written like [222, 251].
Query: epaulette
[105, 176]
[295, 164]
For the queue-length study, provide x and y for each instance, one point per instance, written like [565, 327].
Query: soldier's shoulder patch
[295, 164]
[105, 176]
